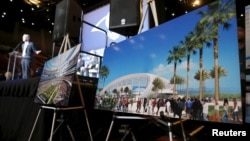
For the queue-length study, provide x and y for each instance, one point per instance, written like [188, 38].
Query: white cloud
[153, 55]
[164, 70]
[132, 41]
[116, 48]
[167, 70]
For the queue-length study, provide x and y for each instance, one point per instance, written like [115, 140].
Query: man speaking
[28, 49]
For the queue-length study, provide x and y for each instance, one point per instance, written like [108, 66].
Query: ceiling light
[196, 3]
[33, 2]
[41, 3]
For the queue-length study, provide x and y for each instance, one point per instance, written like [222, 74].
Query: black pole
[106, 42]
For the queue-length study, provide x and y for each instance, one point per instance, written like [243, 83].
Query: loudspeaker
[67, 20]
[125, 16]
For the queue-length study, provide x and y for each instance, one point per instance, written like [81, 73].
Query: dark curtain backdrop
[18, 110]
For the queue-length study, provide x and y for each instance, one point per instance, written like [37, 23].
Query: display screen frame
[135, 58]
[100, 18]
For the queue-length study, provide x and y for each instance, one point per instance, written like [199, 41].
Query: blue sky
[147, 53]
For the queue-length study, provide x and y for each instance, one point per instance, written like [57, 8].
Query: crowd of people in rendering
[206, 109]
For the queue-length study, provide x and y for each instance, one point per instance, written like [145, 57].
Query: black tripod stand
[64, 121]
[166, 122]
[64, 109]
[125, 128]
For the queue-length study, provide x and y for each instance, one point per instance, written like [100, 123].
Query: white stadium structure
[141, 84]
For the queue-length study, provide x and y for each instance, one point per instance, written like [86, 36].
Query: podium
[12, 58]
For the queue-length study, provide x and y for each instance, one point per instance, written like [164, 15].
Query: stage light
[41, 3]
[33, 2]
[196, 3]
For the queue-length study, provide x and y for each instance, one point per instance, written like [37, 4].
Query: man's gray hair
[26, 36]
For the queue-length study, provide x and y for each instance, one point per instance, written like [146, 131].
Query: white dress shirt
[24, 48]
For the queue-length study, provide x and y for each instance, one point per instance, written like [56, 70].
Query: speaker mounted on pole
[67, 21]
[125, 16]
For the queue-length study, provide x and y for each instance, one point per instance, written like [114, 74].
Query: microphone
[18, 45]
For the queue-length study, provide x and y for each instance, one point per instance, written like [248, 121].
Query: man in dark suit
[28, 49]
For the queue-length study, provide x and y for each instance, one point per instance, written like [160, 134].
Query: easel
[150, 3]
[65, 45]
[168, 124]
[127, 128]
[180, 121]
[192, 133]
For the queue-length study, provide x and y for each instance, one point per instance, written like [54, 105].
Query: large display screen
[187, 67]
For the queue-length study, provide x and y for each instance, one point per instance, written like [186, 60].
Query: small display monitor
[88, 65]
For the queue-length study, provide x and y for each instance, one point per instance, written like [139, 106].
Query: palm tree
[157, 85]
[175, 55]
[126, 90]
[104, 72]
[189, 45]
[201, 36]
[178, 80]
[121, 90]
[115, 91]
[201, 75]
[217, 15]
[221, 72]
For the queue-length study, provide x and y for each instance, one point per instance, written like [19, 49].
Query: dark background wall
[99, 120]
